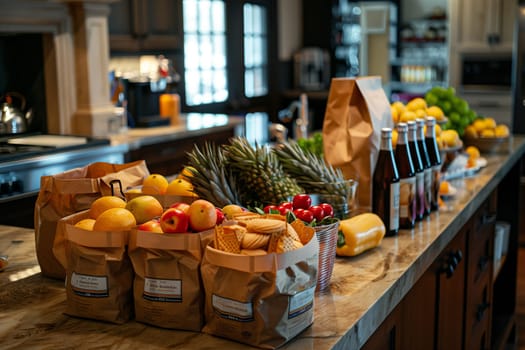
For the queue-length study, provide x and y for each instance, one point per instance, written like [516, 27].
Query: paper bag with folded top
[356, 111]
[263, 300]
[167, 286]
[99, 274]
[70, 192]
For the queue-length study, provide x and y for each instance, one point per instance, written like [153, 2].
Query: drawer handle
[488, 219]
[481, 310]
[451, 262]
[483, 262]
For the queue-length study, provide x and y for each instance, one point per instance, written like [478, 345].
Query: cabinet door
[387, 336]
[450, 267]
[485, 24]
[141, 25]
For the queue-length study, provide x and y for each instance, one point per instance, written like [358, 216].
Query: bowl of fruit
[487, 135]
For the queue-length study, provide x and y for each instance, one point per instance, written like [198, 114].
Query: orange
[473, 152]
[86, 224]
[104, 203]
[115, 219]
[444, 187]
[154, 184]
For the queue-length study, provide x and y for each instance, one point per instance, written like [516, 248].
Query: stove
[25, 159]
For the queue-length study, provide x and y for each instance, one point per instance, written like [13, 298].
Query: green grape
[446, 106]
[431, 99]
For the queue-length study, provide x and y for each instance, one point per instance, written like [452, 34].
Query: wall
[290, 22]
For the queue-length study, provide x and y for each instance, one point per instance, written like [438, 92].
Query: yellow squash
[359, 233]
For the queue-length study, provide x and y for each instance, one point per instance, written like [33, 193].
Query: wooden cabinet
[451, 305]
[141, 25]
[169, 157]
[482, 24]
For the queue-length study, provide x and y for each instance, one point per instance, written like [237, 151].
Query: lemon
[479, 125]
[470, 132]
[490, 123]
[180, 187]
[394, 138]
[487, 133]
[436, 112]
[407, 116]
[450, 137]
[501, 130]
[473, 152]
[421, 113]
[395, 114]
[437, 129]
[416, 103]
[399, 106]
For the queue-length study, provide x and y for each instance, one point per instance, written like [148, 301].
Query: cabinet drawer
[478, 314]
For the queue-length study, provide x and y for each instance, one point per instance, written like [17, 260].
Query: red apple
[181, 205]
[203, 215]
[328, 209]
[220, 216]
[174, 220]
[151, 226]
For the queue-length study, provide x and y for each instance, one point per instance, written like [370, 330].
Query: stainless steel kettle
[12, 119]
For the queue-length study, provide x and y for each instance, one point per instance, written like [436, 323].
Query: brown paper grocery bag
[356, 110]
[70, 192]
[99, 274]
[263, 301]
[167, 288]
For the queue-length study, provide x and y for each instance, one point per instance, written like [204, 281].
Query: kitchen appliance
[143, 97]
[25, 158]
[312, 68]
[14, 120]
[486, 84]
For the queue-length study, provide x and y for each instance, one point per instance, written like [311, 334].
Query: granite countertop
[191, 125]
[363, 290]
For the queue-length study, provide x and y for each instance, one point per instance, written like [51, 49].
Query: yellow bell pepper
[359, 233]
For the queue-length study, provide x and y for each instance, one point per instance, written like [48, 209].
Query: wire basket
[327, 237]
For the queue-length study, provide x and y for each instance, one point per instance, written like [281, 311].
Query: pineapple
[260, 174]
[311, 171]
[212, 179]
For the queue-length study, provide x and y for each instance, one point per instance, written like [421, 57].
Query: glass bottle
[407, 179]
[435, 160]
[418, 168]
[427, 168]
[385, 185]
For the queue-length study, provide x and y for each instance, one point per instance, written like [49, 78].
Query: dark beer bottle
[427, 168]
[418, 168]
[385, 185]
[435, 160]
[407, 179]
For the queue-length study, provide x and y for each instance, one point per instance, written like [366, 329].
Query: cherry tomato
[318, 212]
[304, 214]
[287, 205]
[301, 201]
[271, 207]
[283, 209]
[328, 209]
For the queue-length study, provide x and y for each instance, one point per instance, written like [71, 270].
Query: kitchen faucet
[300, 123]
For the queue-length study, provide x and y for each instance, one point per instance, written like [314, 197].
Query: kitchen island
[359, 310]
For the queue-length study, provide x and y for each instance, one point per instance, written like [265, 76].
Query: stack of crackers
[255, 234]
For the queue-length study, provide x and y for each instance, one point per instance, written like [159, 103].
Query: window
[226, 54]
[205, 67]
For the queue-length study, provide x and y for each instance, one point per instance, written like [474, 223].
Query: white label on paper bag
[232, 309]
[301, 302]
[162, 290]
[89, 286]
